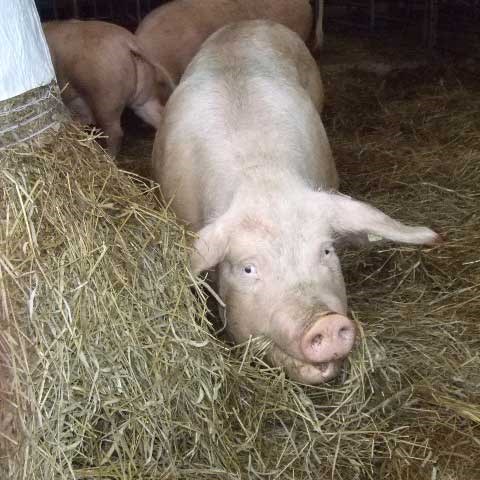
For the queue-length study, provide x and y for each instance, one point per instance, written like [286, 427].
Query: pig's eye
[249, 269]
[327, 252]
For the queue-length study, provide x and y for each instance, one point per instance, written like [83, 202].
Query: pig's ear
[347, 216]
[209, 248]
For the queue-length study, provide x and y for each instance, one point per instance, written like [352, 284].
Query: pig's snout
[329, 338]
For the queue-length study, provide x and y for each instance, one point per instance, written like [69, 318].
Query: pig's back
[85, 53]
[259, 84]
[243, 108]
[66, 37]
[173, 33]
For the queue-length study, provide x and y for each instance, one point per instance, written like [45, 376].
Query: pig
[104, 70]
[173, 33]
[243, 159]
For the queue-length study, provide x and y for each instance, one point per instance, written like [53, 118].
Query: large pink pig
[106, 70]
[243, 157]
[173, 33]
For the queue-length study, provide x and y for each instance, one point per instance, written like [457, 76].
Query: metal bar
[76, 11]
[433, 24]
[139, 11]
[372, 15]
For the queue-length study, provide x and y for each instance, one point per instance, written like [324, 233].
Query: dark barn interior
[402, 113]
[428, 23]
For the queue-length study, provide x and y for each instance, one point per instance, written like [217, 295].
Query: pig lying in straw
[172, 33]
[106, 70]
[243, 157]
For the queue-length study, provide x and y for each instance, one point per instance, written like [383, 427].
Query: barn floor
[405, 131]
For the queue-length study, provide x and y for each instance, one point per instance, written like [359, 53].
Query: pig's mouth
[304, 372]
[323, 366]
[317, 354]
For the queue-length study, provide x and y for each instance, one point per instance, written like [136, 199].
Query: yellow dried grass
[116, 373]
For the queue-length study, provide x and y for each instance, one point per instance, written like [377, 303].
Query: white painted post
[24, 56]
[29, 97]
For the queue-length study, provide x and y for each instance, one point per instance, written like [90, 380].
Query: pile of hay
[409, 142]
[114, 369]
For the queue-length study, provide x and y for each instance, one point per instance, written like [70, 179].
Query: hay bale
[26, 116]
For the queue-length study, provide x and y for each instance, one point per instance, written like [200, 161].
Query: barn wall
[123, 12]
[442, 24]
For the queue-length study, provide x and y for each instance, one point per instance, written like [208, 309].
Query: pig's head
[279, 275]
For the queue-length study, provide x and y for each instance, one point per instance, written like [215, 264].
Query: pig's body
[243, 157]
[259, 111]
[173, 33]
[106, 71]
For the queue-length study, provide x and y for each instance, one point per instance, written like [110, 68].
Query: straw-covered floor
[115, 371]
[409, 142]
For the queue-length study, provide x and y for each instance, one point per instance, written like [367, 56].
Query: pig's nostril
[331, 337]
[317, 341]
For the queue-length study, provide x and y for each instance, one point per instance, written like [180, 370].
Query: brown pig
[173, 33]
[243, 159]
[106, 70]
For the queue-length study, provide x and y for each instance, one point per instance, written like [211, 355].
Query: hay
[410, 143]
[27, 115]
[115, 373]
[114, 368]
